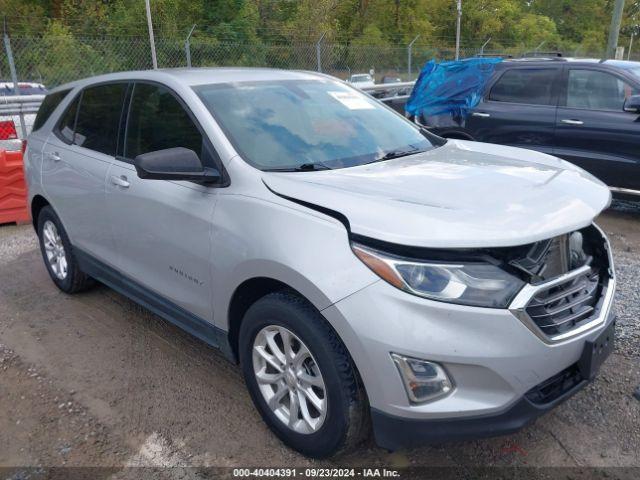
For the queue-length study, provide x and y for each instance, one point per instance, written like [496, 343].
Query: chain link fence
[53, 60]
[56, 60]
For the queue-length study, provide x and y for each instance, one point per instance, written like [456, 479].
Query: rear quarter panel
[33, 164]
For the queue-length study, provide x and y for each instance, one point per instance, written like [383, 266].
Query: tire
[71, 279]
[345, 421]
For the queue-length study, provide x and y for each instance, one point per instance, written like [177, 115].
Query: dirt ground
[94, 380]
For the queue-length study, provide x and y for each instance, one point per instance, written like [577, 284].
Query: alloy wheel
[54, 249]
[289, 379]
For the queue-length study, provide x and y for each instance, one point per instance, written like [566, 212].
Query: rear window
[47, 107]
[532, 86]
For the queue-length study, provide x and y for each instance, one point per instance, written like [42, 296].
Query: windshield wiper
[305, 167]
[390, 155]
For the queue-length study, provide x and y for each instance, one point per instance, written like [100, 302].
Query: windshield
[308, 123]
[361, 78]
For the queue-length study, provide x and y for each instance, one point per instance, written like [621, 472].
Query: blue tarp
[450, 88]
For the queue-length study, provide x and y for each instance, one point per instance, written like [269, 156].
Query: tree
[576, 20]
[534, 29]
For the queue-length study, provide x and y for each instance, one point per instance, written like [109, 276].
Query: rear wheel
[300, 376]
[58, 254]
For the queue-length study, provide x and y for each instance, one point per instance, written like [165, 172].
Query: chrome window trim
[521, 301]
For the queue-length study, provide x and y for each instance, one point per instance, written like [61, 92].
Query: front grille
[565, 306]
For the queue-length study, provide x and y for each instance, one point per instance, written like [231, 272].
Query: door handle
[572, 122]
[481, 114]
[54, 156]
[120, 181]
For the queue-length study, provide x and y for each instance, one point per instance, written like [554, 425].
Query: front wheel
[301, 377]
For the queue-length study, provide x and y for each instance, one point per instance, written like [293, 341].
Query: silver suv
[362, 272]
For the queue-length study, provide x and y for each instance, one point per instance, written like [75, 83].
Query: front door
[518, 110]
[76, 158]
[162, 229]
[594, 132]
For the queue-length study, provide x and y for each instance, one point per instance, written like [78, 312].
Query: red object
[13, 189]
[8, 130]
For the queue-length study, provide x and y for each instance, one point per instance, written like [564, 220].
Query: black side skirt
[159, 305]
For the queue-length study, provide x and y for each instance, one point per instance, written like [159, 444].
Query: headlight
[468, 283]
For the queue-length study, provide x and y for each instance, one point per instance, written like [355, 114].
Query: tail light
[8, 130]
[24, 146]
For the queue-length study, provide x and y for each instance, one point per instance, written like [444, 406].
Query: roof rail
[542, 54]
[493, 55]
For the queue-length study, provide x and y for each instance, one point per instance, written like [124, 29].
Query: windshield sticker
[352, 100]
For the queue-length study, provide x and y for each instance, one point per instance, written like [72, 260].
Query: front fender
[306, 250]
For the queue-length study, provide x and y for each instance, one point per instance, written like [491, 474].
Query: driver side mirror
[174, 164]
[632, 104]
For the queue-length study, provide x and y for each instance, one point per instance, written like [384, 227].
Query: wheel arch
[38, 202]
[271, 277]
[253, 289]
[245, 295]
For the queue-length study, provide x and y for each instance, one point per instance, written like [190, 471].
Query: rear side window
[68, 121]
[157, 121]
[47, 107]
[98, 119]
[532, 86]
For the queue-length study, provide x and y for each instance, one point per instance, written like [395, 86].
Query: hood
[460, 195]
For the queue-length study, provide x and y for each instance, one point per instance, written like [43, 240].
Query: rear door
[162, 229]
[593, 131]
[519, 109]
[76, 159]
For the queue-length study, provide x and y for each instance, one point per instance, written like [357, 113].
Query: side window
[99, 117]
[594, 90]
[47, 107]
[158, 121]
[68, 122]
[533, 86]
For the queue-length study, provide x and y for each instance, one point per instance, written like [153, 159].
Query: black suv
[585, 111]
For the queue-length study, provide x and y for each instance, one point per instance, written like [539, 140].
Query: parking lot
[95, 380]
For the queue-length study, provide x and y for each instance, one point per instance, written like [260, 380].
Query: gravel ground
[95, 380]
[623, 227]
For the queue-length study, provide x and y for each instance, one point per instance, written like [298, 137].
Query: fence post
[187, 46]
[459, 8]
[409, 52]
[535, 51]
[154, 58]
[614, 29]
[484, 45]
[319, 52]
[630, 45]
[14, 76]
